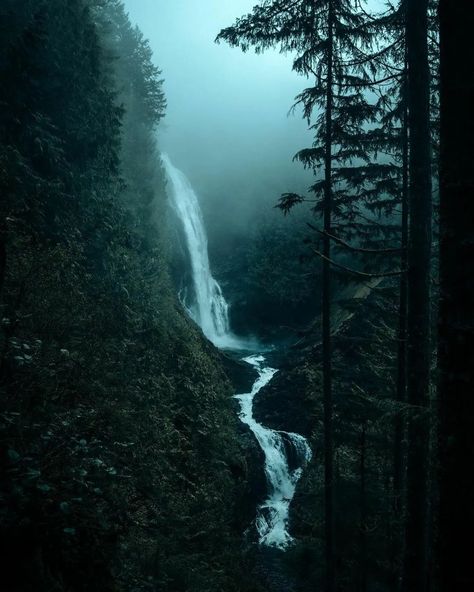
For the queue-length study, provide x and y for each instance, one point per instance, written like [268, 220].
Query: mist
[227, 124]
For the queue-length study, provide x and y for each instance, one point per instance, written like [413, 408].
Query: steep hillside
[124, 466]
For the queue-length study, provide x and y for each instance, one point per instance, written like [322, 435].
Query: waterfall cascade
[210, 311]
[272, 515]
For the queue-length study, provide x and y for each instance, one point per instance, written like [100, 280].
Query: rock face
[241, 375]
[284, 403]
[273, 572]
[252, 475]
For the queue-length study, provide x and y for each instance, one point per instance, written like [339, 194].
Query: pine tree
[332, 40]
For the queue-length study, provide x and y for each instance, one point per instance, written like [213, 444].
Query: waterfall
[273, 514]
[210, 311]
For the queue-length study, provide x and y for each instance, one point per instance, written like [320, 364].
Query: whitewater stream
[209, 309]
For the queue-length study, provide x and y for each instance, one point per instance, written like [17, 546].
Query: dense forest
[282, 402]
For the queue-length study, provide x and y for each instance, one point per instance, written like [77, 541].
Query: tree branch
[356, 272]
[351, 247]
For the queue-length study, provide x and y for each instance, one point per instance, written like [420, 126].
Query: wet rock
[241, 375]
[251, 474]
[286, 402]
[272, 570]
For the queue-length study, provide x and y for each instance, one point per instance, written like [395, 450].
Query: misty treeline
[123, 465]
[392, 410]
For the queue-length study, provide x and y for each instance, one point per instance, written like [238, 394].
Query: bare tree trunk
[399, 424]
[402, 325]
[456, 312]
[326, 326]
[363, 568]
[418, 303]
[3, 255]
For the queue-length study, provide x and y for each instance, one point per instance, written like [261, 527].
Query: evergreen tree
[332, 40]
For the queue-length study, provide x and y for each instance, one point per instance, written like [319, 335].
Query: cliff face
[287, 402]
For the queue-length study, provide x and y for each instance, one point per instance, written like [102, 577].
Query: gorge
[210, 310]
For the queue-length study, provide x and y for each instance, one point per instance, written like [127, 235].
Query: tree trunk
[402, 325]
[418, 302]
[326, 326]
[3, 263]
[3, 254]
[456, 317]
[399, 424]
[363, 569]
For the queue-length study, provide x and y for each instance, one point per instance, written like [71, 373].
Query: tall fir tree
[333, 42]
